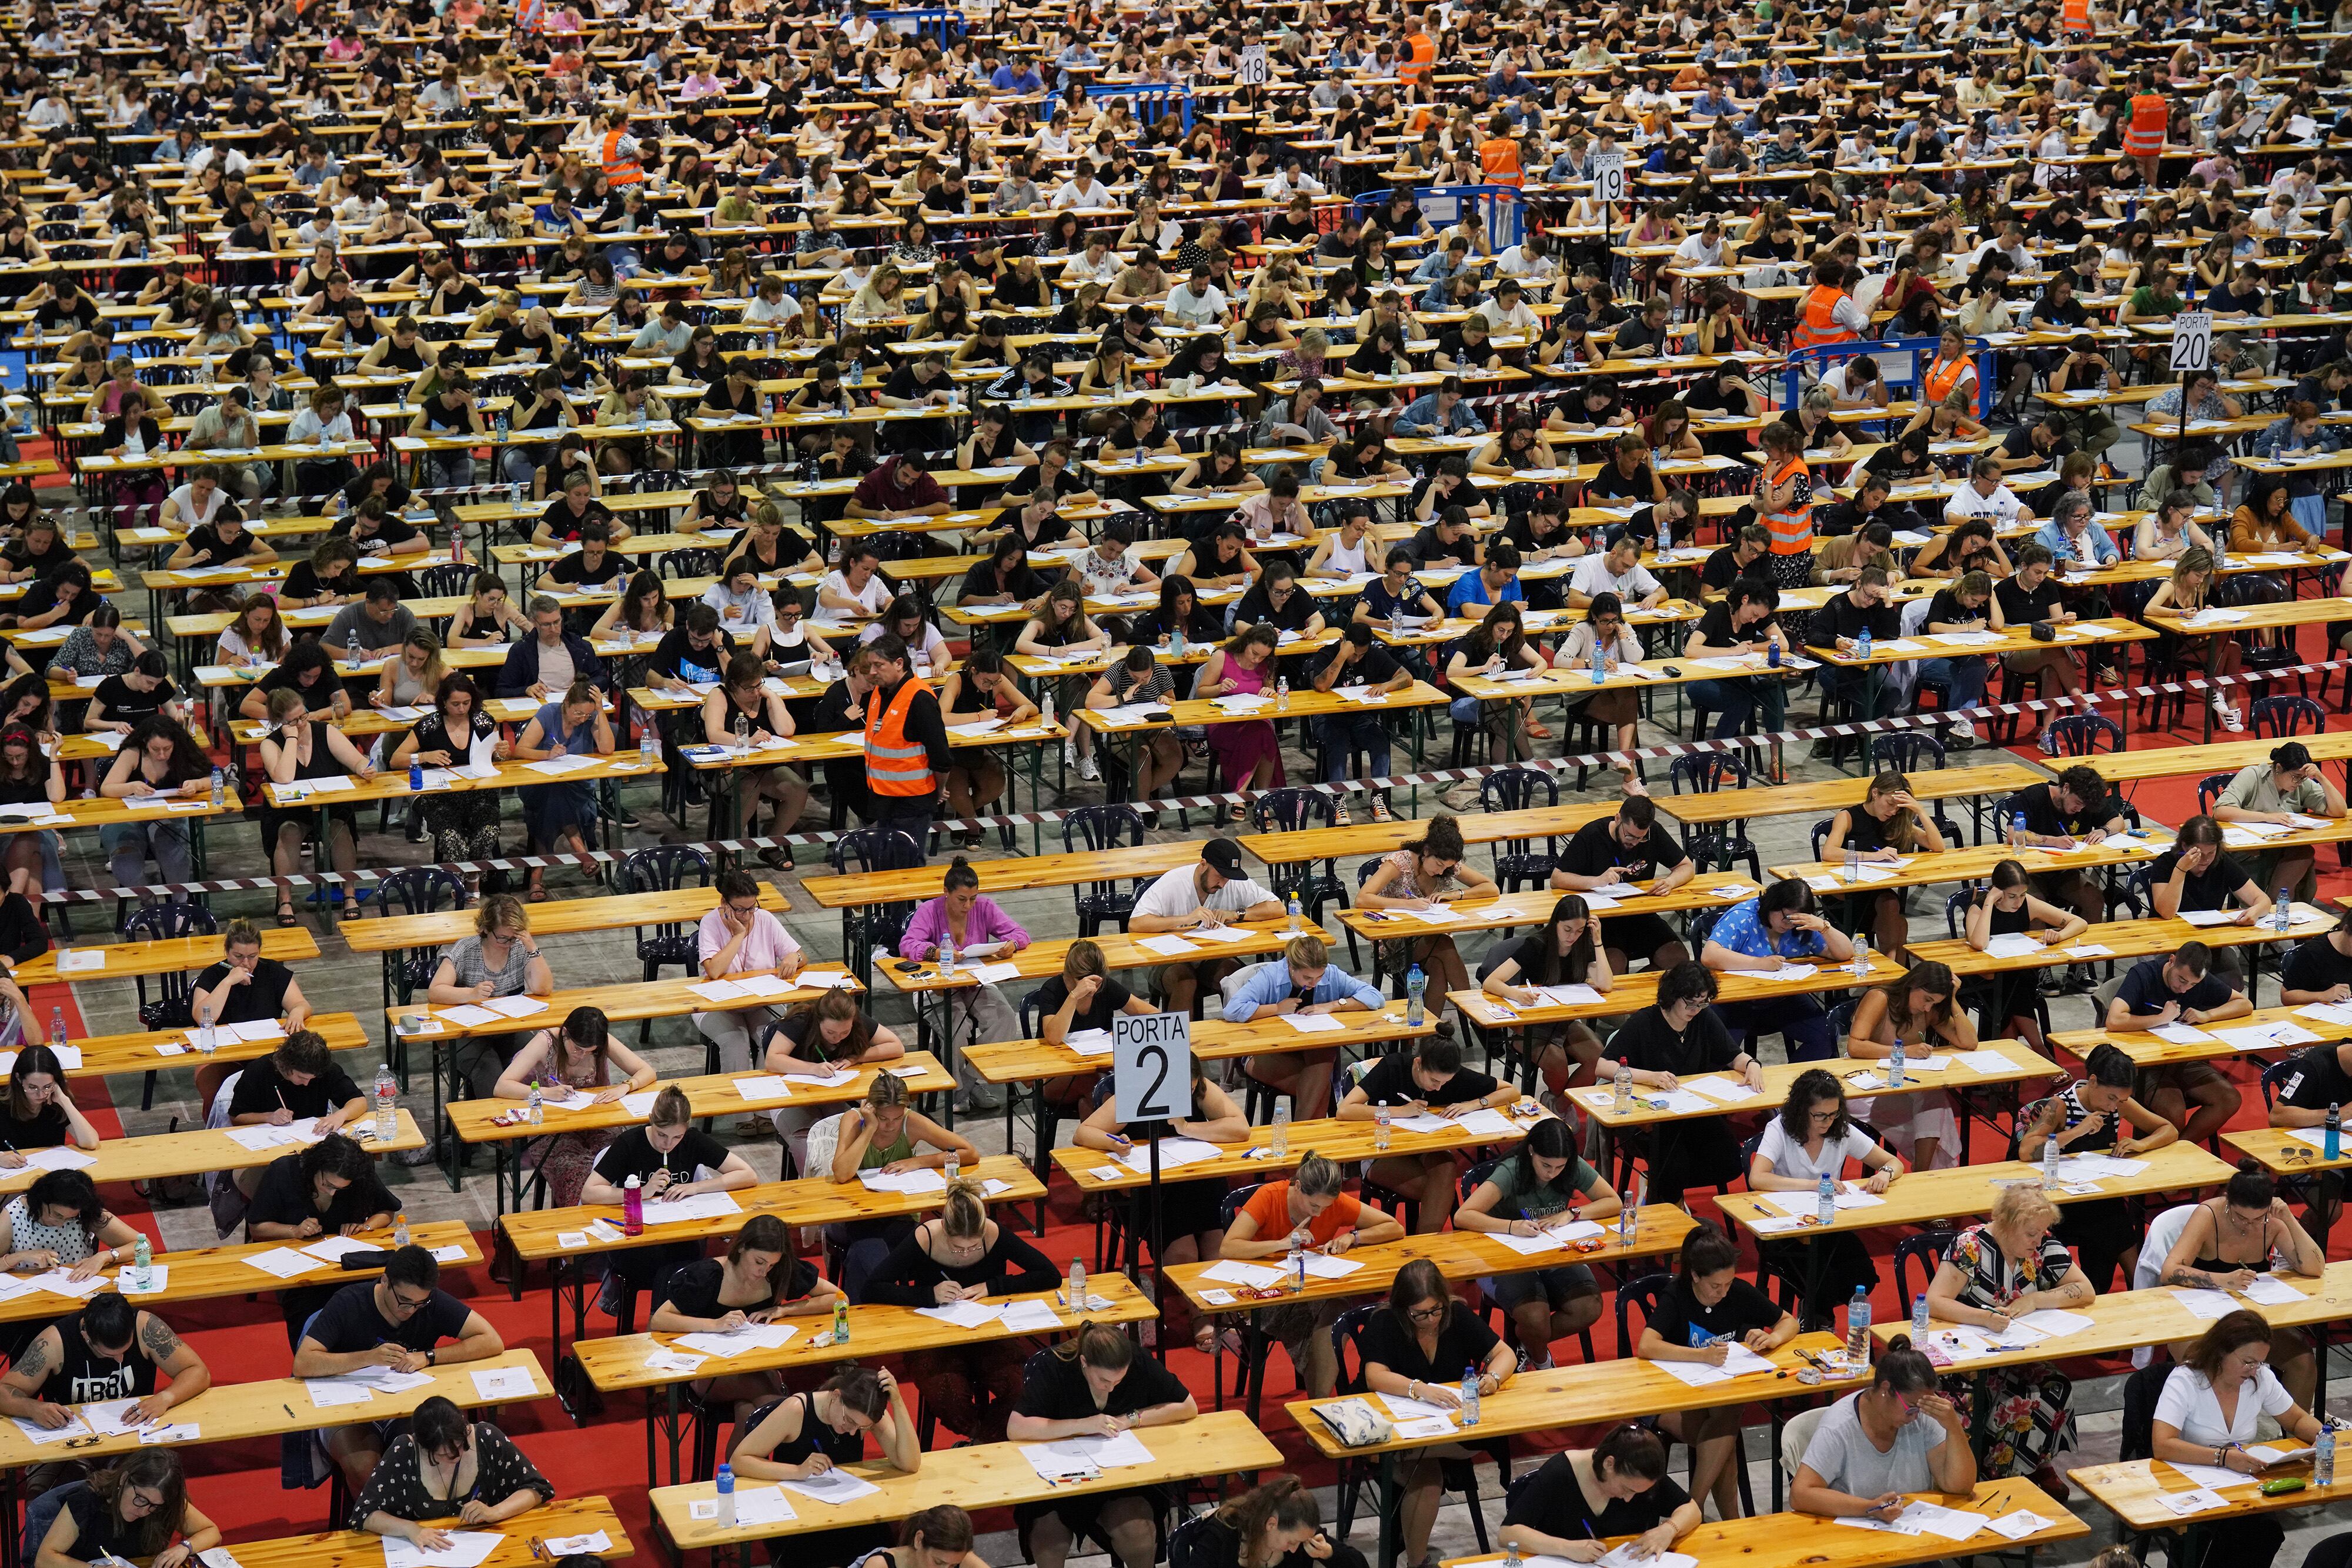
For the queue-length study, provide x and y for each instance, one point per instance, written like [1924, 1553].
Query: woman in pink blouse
[977, 1014]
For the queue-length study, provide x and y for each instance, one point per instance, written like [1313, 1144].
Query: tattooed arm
[2197, 1241]
[20, 1390]
[175, 1359]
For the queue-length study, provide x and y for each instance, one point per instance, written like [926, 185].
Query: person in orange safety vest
[906, 743]
[1827, 314]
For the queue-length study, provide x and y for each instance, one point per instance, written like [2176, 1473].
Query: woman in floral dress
[579, 1057]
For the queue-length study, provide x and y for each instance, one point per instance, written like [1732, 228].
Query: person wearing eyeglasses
[1900, 1434]
[131, 1509]
[399, 1321]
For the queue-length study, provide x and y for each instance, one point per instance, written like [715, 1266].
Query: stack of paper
[740, 1341]
[466, 1549]
[1086, 1456]
[1739, 1362]
[833, 1488]
[693, 1205]
[910, 1183]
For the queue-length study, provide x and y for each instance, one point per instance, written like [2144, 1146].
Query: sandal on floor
[1205, 1337]
[536, 895]
[286, 915]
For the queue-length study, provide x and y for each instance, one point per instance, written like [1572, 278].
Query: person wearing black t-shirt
[1449, 540]
[244, 987]
[2197, 875]
[298, 1082]
[1277, 600]
[2032, 596]
[2079, 805]
[670, 1158]
[1633, 846]
[1864, 607]
[2180, 988]
[36, 1113]
[761, 1280]
[1683, 1036]
[41, 551]
[1429, 1078]
[329, 1188]
[1570, 1501]
[375, 528]
[2320, 970]
[141, 692]
[593, 565]
[399, 1321]
[1065, 1392]
[1736, 559]
[1422, 1346]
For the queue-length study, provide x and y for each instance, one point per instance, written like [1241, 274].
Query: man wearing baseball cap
[1189, 898]
[2289, 785]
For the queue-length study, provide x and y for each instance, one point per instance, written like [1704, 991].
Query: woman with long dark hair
[137, 1507]
[1564, 951]
[1814, 1136]
[1709, 1310]
[1619, 1487]
[1529, 1190]
[1274, 1525]
[2006, 906]
[574, 1065]
[1922, 1009]
[447, 1465]
[762, 1277]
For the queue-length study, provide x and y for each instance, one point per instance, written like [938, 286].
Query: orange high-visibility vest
[2150, 114]
[2074, 16]
[1498, 160]
[1943, 376]
[895, 765]
[619, 171]
[1421, 53]
[1792, 530]
[530, 15]
[1817, 321]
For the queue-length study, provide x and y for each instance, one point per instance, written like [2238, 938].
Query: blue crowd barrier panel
[1151, 102]
[1499, 208]
[1921, 351]
[938, 22]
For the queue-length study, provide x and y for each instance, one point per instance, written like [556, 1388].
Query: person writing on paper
[739, 937]
[1889, 825]
[2179, 988]
[447, 1466]
[1683, 1035]
[58, 1223]
[328, 1189]
[1414, 1351]
[107, 1350]
[399, 1321]
[1417, 878]
[1581, 1498]
[1614, 854]
[462, 824]
[1304, 982]
[2007, 906]
[938, 1537]
[562, 815]
[1276, 1525]
[1528, 1191]
[578, 1059]
[1565, 950]
[2209, 1410]
[2096, 1114]
[1429, 1078]
[743, 712]
[883, 1133]
[1781, 926]
[2198, 876]
[2319, 970]
[2003, 1270]
[1899, 1435]
[39, 1113]
[762, 1277]
[1815, 1136]
[801, 1436]
[1708, 1309]
[2251, 1219]
[298, 1082]
[1201, 897]
[300, 746]
[245, 987]
[1309, 1212]
[670, 1158]
[2288, 786]
[961, 1255]
[1192, 1225]
[982, 932]
[832, 1033]
[1093, 1384]
[137, 1507]
[500, 959]
[1921, 1008]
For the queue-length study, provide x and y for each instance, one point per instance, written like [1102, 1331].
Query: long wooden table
[2148, 1050]
[205, 1273]
[71, 962]
[2220, 757]
[2123, 939]
[1533, 906]
[1829, 878]
[987, 1476]
[1014, 873]
[198, 1151]
[2130, 1492]
[616, 1363]
[478, 1122]
[1718, 806]
[519, 1540]
[151, 1050]
[1093, 1170]
[1367, 839]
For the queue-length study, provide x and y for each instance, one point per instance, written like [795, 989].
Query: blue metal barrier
[1151, 102]
[1921, 349]
[1499, 208]
[941, 23]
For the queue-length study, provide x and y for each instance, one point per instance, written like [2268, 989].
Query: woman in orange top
[1951, 370]
[1498, 154]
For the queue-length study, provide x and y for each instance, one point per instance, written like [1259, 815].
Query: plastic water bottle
[841, 1319]
[947, 954]
[2332, 1142]
[1296, 915]
[1294, 1264]
[1281, 692]
[2017, 831]
[1624, 1087]
[1046, 710]
[641, 416]
[204, 1041]
[1415, 984]
[2049, 1162]
[535, 1108]
[1895, 1065]
[2282, 910]
[953, 1166]
[1396, 622]
[1176, 641]
[1381, 1129]
[2323, 1456]
[387, 1104]
[1600, 671]
[1279, 1141]
[57, 1020]
[1665, 539]
[633, 1207]
[415, 775]
[1860, 965]
[220, 789]
[1469, 1397]
[726, 1495]
[143, 1263]
[1628, 1222]
[1511, 1554]
[1078, 1285]
[351, 646]
[500, 425]
[1862, 644]
[1857, 1330]
[1919, 1319]
[400, 1236]
[857, 373]
[1852, 861]
[1827, 1210]
[1772, 656]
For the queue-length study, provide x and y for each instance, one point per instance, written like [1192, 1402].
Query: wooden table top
[144, 1052]
[1092, 1170]
[1040, 960]
[618, 1362]
[203, 1273]
[357, 1548]
[1216, 1040]
[808, 1200]
[2125, 939]
[163, 955]
[1012, 874]
[1632, 993]
[1927, 1197]
[2251, 617]
[1368, 839]
[1941, 784]
[557, 917]
[392, 783]
[986, 1476]
[2281, 1152]
[714, 1094]
[2219, 757]
[636, 1000]
[2146, 1050]
[1304, 704]
[1659, 1231]
[2129, 1491]
[1533, 906]
[1600, 1100]
[1806, 1540]
[1976, 863]
[195, 1151]
[234, 1412]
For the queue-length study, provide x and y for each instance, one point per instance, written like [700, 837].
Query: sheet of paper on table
[466, 1549]
[833, 1489]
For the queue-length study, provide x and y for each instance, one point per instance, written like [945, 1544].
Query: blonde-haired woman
[883, 297]
[883, 1132]
[1997, 1273]
[414, 676]
[2184, 593]
[1888, 824]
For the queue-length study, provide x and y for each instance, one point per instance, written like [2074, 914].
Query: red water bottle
[633, 1210]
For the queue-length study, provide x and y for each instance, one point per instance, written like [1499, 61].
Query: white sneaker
[1088, 770]
[2228, 717]
[1069, 756]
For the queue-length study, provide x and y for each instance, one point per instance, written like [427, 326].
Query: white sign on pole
[1608, 177]
[2192, 341]
[1253, 71]
[1151, 1066]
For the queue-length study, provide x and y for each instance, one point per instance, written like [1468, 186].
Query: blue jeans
[1966, 677]
[1341, 732]
[1801, 1021]
[1739, 698]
